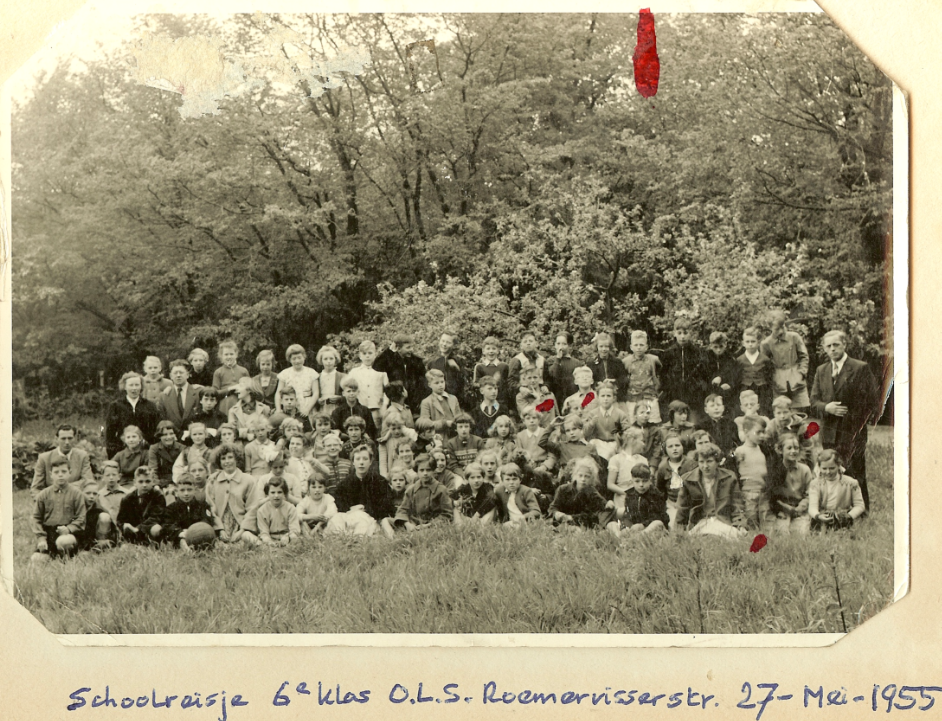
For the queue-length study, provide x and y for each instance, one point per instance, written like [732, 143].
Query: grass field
[478, 580]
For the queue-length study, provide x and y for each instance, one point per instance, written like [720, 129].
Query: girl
[201, 375]
[426, 501]
[631, 443]
[440, 470]
[396, 394]
[228, 436]
[677, 414]
[788, 486]
[297, 464]
[250, 411]
[399, 478]
[322, 429]
[132, 457]
[579, 502]
[266, 383]
[261, 450]
[227, 376]
[502, 438]
[209, 415]
[394, 432]
[301, 378]
[316, 508]
[474, 500]
[360, 497]
[489, 463]
[834, 500]
[405, 454]
[330, 394]
[670, 473]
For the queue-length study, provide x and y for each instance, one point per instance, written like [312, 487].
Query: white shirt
[752, 357]
[133, 403]
[512, 510]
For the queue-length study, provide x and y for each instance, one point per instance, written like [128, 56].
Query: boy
[559, 369]
[185, 511]
[199, 450]
[709, 501]
[490, 367]
[752, 462]
[528, 442]
[288, 398]
[316, 508]
[338, 468]
[277, 519]
[642, 383]
[209, 415]
[201, 375]
[100, 530]
[723, 369]
[607, 367]
[574, 445]
[154, 382]
[723, 431]
[448, 365]
[533, 393]
[355, 429]
[684, 370]
[475, 499]
[59, 513]
[162, 455]
[527, 359]
[464, 447]
[371, 382]
[425, 501]
[516, 503]
[785, 419]
[441, 407]
[142, 510]
[755, 370]
[490, 409]
[110, 493]
[645, 508]
[652, 448]
[788, 354]
[584, 397]
[352, 407]
[749, 404]
[605, 421]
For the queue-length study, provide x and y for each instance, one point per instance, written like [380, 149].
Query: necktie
[835, 371]
[180, 401]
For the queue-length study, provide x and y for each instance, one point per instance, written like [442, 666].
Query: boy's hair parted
[141, 472]
[782, 402]
[433, 374]
[712, 398]
[423, 425]
[366, 346]
[354, 422]
[180, 362]
[265, 355]
[641, 471]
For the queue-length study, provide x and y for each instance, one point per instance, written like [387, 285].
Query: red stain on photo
[758, 543]
[812, 430]
[647, 65]
[589, 397]
[546, 406]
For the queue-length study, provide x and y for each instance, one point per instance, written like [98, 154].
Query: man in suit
[844, 395]
[180, 402]
[80, 467]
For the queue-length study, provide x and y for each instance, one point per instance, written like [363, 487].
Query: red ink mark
[589, 397]
[647, 65]
[812, 430]
[758, 543]
[546, 406]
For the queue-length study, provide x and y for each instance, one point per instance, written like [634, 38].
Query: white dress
[305, 383]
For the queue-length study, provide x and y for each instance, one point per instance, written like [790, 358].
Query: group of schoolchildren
[273, 458]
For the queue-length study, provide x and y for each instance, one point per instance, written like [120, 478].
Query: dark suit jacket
[167, 407]
[856, 388]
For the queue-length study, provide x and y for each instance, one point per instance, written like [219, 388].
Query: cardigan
[424, 503]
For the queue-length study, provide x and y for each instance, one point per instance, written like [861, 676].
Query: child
[620, 478]
[396, 394]
[100, 531]
[527, 359]
[231, 493]
[607, 367]
[490, 408]
[641, 382]
[329, 381]
[717, 424]
[605, 421]
[260, 451]
[584, 397]
[154, 382]
[710, 502]
[440, 407]
[723, 369]
[316, 508]
[756, 370]
[749, 404]
[399, 478]
[372, 383]
[753, 469]
[301, 378]
[266, 382]
[786, 349]
[355, 429]
[516, 503]
[228, 436]
[199, 470]
[533, 393]
[446, 364]
[163, 454]
[463, 448]
[425, 501]
[559, 368]
[201, 375]
[405, 454]
[296, 462]
[59, 513]
[491, 368]
[651, 432]
[502, 438]
[209, 415]
[360, 497]
[678, 414]
[110, 493]
[527, 440]
[352, 407]
[787, 421]
[791, 480]
[277, 519]
[475, 499]
[133, 456]
[834, 500]
[645, 507]
[573, 446]
[426, 438]
[249, 413]
[294, 490]
[198, 451]
[669, 477]
[684, 369]
[185, 511]
[226, 378]
[322, 429]
[141, 511]
[337, 467]
[490, 465]
[394, 431]
[288, 398]
[579, 502]
[442, 474]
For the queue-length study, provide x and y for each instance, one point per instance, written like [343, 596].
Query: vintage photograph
[453, 324]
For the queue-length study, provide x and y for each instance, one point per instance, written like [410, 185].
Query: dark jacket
[180, 515]
[692, 499]
[645, 508]
[856, 388]
[142, 511]
[558, 376]
[469, 502]
[725, 433]
[344, 411]
[663, 475]
[120, 415]
[611, 368]
[406, 369]
[684, 375]
[370, 492]
[587, 507]
[161, 460]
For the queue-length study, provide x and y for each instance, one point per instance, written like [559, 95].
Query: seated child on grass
[231, 493]
[474, 499]
[100, 530]
[710, 502]
[164, 453]
[629, 455]
[424, 502]
[579, 502]
[400, 478]
[360, 497]
[645, 507]
[316, 508]
[669, 477]
[517, 503]
[277, 519]
[59, 514]
[652, 447]
[184, 512]
[753, 467]
[834, 499]
[141, 510]
[109, 492]
[294, 490]
[132, 457]
[790, 480]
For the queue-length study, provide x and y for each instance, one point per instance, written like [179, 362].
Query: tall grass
[477, 580]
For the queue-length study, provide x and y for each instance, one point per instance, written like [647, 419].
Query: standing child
[723, 369]
[607, 366]
[645, 507]
[517, 503]
[201, 375]
[754, 473]
[669, 477]
[620, 479]
[372, 383]
[141, 511]
[58, 513]
[749, 404]
[527, 359]
[277, 519]
[425, 501]
[448, 365]
[583, 400]
[579, 502]
[652, 432]
[606, 421]
[330, 392]
[559, 369]
[396, 394]
[789, 487]
[110, 493]
[301, 378]
[163, 454]
[724, 432]
[316, 508]
[266, 382]
[491, 367]
[464, 447]
[490, 408]
[440, 407]
[133, 456]
[227, 376]
[789, 357]
[154, 381]
[184, 512]
[834, 499]
[533, 393]
[352, 407]
[756, 370]
[685, 367]
[502, 438]
[641, 369]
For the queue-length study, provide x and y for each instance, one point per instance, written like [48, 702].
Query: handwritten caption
[755, 698]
